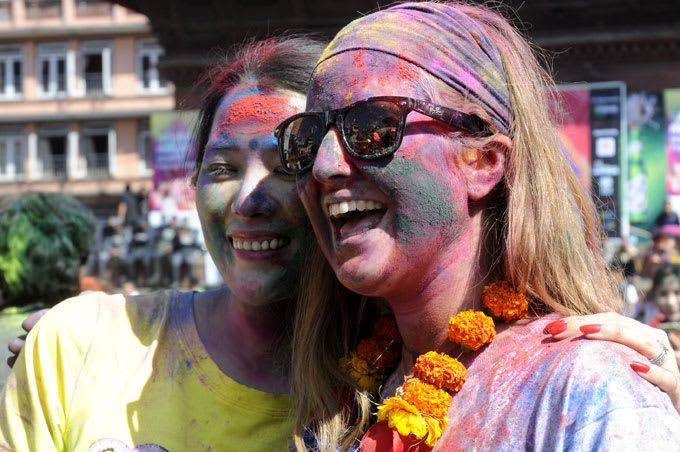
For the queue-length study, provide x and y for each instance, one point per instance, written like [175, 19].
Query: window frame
[9, 54]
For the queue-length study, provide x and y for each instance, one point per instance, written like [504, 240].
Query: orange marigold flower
[429, 399]
[440, 370]
[472, 329]
[503, 301]
[386, 326]
[380, 352]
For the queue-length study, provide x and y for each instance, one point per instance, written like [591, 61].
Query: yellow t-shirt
[109, 373]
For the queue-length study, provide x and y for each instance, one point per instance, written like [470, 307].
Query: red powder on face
[258, 108]
[406, 70]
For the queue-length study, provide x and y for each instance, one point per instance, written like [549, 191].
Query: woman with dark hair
[189, 371]
[432, 176]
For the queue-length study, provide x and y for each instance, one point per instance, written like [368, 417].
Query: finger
[11, 360]
[569, 326]
[32, 319]
[666, 380]
[642, 341]
[17, 344]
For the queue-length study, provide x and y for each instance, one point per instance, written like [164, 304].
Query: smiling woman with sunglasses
[427, 199]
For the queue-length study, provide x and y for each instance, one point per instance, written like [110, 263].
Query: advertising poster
[573, 116]
[607, 106]
[646, 157]
[672, 110]
[172, 161]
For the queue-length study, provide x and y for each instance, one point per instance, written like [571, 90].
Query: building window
[11, 72]
[92, 8]
[149, 78]
[145, 156]
[95, 146]
[52, 152]
[43, 9]
[96, 69]
[5, 10]
[52, 70]
[12, 156]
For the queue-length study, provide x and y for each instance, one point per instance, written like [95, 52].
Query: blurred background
[97, 100]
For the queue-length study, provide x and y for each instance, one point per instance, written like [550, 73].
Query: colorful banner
[573, 117]
[172, 161]
[672, 110]
[646, 158]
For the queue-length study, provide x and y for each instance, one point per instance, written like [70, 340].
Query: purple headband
[441, 40]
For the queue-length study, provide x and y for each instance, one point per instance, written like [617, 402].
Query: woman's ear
[484, 168]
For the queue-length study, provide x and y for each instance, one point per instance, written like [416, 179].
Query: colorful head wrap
[441, 40]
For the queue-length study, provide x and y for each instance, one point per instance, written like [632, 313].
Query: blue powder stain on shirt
[188, 363]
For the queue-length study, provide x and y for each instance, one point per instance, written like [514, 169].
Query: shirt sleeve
[596, 402]
[34, 404]
[629, 430]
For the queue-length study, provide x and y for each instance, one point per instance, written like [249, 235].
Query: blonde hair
[542, 232]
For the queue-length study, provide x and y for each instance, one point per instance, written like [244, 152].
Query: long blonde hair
[545, 230]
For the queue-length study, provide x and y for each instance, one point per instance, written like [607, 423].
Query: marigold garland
[386, 326]
[379, 352]
[440, 370]
[504, 302]
[420, 406]
[428, 398]
[471, 329]
[363, 373]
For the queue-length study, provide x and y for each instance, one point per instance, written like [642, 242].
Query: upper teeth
[258, 245]
[339, 208]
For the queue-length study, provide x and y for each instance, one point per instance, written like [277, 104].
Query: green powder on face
[422, 201]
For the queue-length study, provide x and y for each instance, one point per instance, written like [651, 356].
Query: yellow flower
[440, 370]
[366, 376]
[471, 329]
[403, 416]
[406, 419]
[429, 399]
[503, 301]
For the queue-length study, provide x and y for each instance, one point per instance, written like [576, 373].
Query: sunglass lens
[301, 140]
[371, 128]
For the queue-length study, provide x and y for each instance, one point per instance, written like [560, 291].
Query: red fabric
[381, 438]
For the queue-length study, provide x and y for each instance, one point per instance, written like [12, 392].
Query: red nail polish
[556, 327]
[640, 367]
[590, 329]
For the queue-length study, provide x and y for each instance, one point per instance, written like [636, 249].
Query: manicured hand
[18, 343]
[644, 339]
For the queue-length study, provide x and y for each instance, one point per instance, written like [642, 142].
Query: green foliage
[44, 239]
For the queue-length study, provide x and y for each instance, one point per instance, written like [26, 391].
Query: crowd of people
[416, 198]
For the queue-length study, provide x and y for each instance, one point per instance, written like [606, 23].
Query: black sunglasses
[370, 129]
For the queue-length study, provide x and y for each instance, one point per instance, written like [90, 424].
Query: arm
[18, 343]
[631, 333]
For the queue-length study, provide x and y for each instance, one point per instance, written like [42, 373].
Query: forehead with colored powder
[254, 110]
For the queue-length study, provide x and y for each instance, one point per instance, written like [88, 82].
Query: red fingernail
[590, 329]
[556, 327]
[640, 367]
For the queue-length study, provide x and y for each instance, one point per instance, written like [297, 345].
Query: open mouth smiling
[355, 216]
[257, 244]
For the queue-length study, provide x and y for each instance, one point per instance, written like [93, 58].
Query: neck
[247, 340]
[450, 286]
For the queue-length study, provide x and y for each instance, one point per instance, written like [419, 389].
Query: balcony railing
[98, 165]
[54, 167]
[94, 84]
[43, 9]
[93, 8]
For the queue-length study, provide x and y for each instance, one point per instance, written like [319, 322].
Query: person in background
[668, 216]
[129, 208]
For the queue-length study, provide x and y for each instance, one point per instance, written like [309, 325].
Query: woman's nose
[331, 161]
[254, 198]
